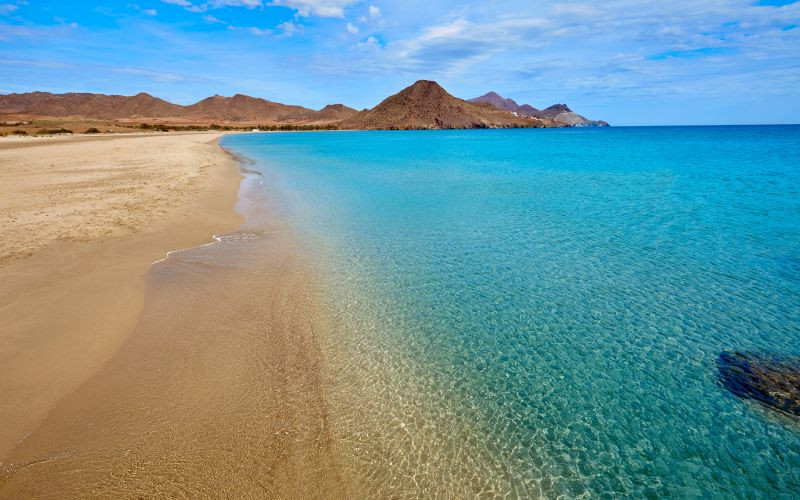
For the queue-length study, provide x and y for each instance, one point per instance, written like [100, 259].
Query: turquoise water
[539, 312]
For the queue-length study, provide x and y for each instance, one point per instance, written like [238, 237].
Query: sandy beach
[83, 219]
[197, 376]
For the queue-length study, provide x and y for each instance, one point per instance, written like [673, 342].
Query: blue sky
[625, 61]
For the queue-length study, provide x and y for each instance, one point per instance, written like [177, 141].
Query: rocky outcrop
[772, 382]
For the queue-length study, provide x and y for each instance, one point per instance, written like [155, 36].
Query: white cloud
[212, 19]
[154, 75]
[370, 43]
[214, 4]
[259, 31]
[302, 8]
[283, 30]
[253, 30]
[353, 30]
[321, 8]
[288, 28]
[147, 12]
[250, 4]
[7, 8]
[372, 17]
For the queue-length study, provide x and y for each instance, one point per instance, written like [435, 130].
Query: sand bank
[83, 219]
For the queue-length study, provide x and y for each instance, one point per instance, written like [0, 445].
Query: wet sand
[214, 391]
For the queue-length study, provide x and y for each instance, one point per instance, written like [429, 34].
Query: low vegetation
[19, 132]
[92, 130]
[205, 128]
[53, 131]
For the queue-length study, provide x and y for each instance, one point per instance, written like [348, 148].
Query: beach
[83, 219]
[197, 375]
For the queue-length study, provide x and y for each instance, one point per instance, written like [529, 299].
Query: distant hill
[423, 105]
[499, 101]
[242, 108]
[335, 113]
[426, 105]
[558, 112]
[239, 108]
[562, 113]
[86, 105]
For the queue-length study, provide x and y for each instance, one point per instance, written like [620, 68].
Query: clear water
[539, 312]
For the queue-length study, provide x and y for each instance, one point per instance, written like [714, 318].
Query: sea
[541, 312]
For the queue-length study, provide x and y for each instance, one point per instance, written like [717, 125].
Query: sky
[624, 61]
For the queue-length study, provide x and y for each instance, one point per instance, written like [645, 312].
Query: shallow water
[539, 312]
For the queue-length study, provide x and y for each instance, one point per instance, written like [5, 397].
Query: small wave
[216, 238]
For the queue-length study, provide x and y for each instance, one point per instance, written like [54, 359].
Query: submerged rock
[774, 383]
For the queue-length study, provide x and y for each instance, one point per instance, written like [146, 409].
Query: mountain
[242, 108]
[423, 105]
[239, 108]
[558, 112]
[426, 105]
[86, 105]
[562, 113]
[335, 113]
[498, 101]
[501, 102]
[528, 110]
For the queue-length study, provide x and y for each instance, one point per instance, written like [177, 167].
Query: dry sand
[82, 220]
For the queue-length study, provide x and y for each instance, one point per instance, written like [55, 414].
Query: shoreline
[75, 291]
[216, 391]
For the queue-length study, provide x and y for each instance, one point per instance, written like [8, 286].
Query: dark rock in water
[772, 382]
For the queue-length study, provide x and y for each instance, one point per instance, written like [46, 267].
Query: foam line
[216, 238]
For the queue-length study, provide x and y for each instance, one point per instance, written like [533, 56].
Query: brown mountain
[242, 108]
[557, 112]
[501, 102]
[86, 105]
[423, 105]
[528, 110]
[335, 113]
[426, 105]
[239, 108]
[498, 101]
